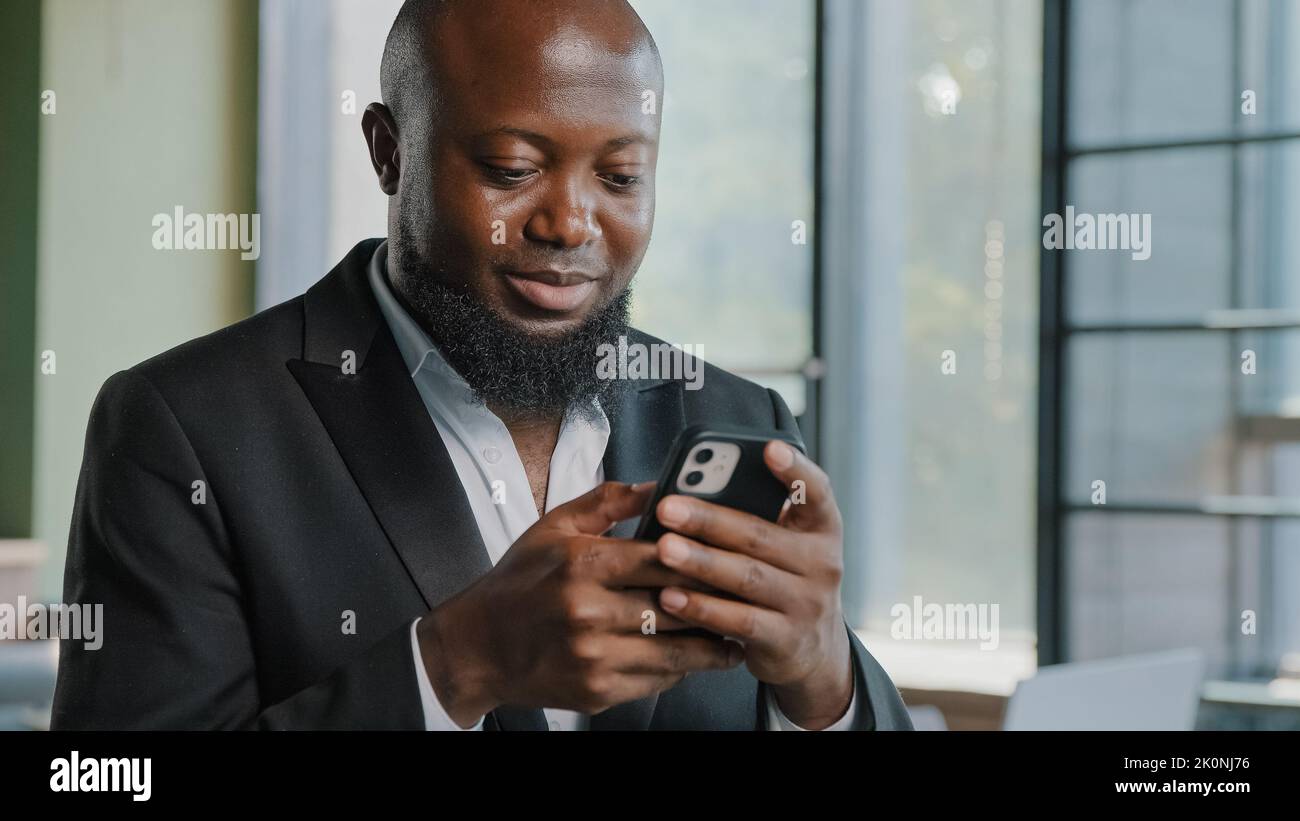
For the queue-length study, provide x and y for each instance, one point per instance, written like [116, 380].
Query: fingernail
[673, 511]
[672, 599]
[673, 550]
[642, 487]
[782, 454]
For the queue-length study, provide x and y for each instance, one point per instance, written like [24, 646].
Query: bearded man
[405, 498]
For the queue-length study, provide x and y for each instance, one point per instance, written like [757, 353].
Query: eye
[507, 175]
[621, 180]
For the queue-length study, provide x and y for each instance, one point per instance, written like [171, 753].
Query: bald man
[405, 499]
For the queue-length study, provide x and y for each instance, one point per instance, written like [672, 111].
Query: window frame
[1053, 505]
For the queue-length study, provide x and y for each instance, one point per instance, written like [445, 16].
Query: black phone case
[752, 488]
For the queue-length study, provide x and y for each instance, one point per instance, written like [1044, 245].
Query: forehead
[540, 73]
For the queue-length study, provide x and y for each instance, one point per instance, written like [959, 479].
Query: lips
[554, 291]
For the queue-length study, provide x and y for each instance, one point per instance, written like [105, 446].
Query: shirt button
[492, 455]
[555, 725]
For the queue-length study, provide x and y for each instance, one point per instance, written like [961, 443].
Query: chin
[545, 327]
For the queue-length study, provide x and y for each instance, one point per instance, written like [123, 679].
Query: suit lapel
[643, 427]
[392, 449]
[382, 430]
[644, 423]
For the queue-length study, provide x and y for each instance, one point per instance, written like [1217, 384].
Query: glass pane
[1140, 584]
[735, 171]
[969, 285]
[1188, 195]
[1148, 414]
[1148, 583]
[1143, 70]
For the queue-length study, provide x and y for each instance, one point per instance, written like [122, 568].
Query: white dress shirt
[488, 465]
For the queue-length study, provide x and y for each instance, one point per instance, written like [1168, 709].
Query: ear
[385, 154]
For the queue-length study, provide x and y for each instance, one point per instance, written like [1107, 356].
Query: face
[532, 188]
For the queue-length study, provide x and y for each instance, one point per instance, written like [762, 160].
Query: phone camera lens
[703, 455]
[694, 478]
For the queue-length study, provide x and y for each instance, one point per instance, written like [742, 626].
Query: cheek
[465, 220]
[627, 233]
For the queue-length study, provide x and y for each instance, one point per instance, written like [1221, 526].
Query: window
[1173, 379]
[932, 125]
[728, 268]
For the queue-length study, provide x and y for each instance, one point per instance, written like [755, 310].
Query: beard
[509, 368]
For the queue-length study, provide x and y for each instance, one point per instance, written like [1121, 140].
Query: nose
[566, 215]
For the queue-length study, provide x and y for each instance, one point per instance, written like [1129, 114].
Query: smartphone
[723, 465]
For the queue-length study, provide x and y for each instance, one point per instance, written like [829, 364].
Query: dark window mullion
[1075, 152]
[1053, 606]
[1215, 322]
[1247, 507]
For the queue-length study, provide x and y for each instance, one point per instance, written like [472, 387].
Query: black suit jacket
[323, 492]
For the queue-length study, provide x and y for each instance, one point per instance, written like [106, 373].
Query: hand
[558, 621]
[787, 576]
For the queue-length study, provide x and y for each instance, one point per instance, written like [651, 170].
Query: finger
[739, 620]
[734, 530]
[658, 578]
[632, 611]
[669, 654]
[603, 507]
[726, 570]
[622, 563]
[631, 563]
[812, 507]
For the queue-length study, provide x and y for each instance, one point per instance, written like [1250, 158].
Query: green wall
[20, 40]
[156, 108]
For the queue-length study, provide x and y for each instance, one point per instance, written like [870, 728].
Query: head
[517, 142]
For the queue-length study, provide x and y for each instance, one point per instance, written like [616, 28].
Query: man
[403, 501]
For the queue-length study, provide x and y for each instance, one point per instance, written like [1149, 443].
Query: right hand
[558, 622]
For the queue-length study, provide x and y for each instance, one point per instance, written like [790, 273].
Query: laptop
[1159, 691]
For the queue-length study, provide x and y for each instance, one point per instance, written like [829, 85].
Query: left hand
[788, 574]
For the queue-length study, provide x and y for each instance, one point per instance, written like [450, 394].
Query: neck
[535, 435]
[527, 422]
